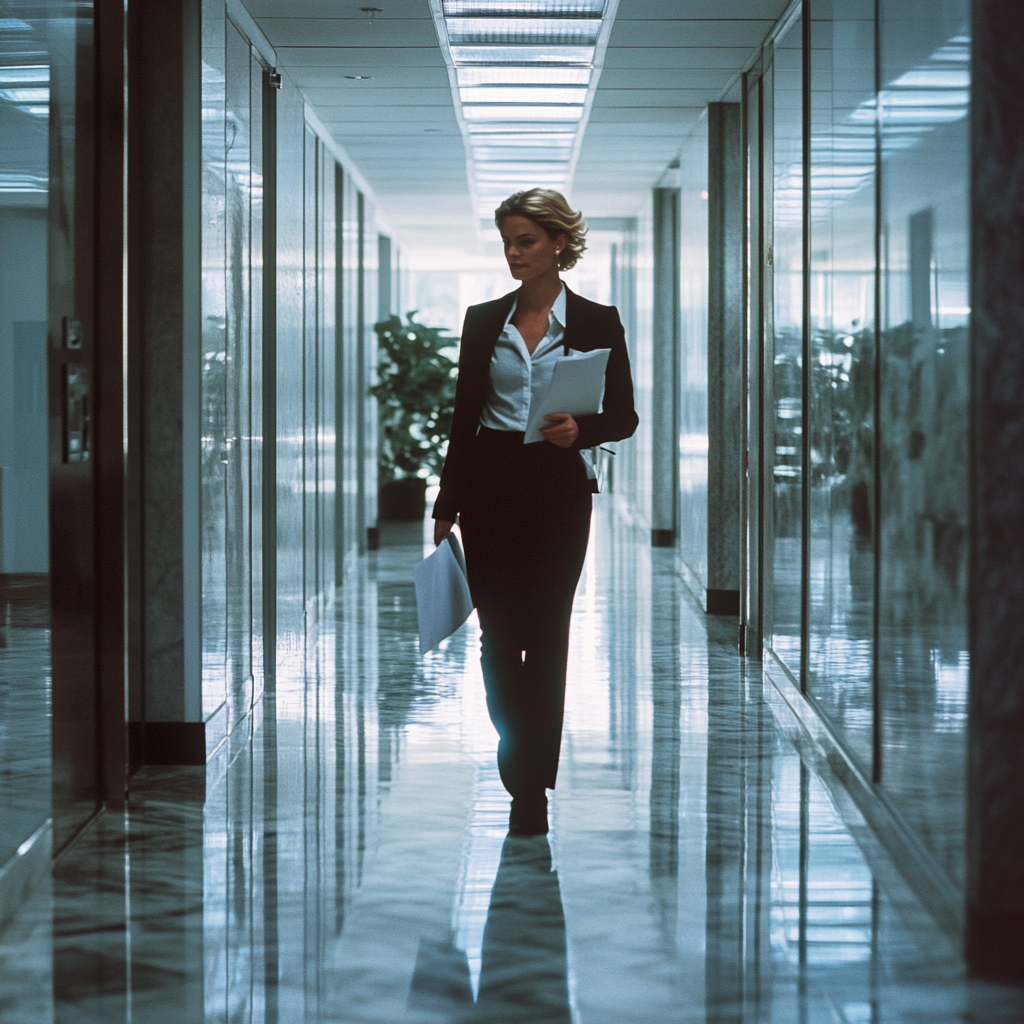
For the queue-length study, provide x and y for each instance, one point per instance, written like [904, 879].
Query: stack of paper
[576, 388]
[443, 602]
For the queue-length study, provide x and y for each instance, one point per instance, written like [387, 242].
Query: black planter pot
[404, 499]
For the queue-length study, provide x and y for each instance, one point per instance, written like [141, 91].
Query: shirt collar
[557, 310]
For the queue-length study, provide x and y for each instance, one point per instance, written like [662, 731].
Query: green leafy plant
[416, 397]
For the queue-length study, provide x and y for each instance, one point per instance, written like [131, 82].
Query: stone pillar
[665, 399]
[165, 138]
[995, 806]
[725, 353]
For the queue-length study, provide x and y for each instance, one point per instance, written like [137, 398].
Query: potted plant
[415, 393]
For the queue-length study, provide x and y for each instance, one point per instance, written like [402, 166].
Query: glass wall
[786, 263]
[841, 371]
[232, 318]
[692, 529]
[924, 71]
[866, 265]
[25, 64]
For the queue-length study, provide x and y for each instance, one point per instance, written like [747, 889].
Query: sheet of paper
[577, 387]
[443, 602]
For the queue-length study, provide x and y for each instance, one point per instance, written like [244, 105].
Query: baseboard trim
[995, 945]
[723, 602]
[808, 729]
[167, 743]
[23, 870]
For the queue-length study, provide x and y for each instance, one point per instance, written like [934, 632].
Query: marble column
[665, 403]
[165, 133]
[995, 829]
[725, 353]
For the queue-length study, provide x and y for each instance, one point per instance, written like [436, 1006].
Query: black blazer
[589, 326]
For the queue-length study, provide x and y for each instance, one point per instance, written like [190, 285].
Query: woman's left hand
[562, 430]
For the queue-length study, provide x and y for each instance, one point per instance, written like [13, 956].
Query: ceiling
[665, 60]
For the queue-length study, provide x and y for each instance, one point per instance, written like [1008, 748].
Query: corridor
[344, 857]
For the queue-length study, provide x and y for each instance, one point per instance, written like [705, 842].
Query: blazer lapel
[576, 335]
[490, 329]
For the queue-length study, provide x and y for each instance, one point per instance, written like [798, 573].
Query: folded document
[576, 388]
[443, 602]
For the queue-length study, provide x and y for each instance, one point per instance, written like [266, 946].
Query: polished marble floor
[345, 858]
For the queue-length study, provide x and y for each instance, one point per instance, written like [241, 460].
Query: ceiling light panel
[523, 74]
[523, 31]
[523, 94]
[524, 113]
[523, 8]
[24, 74]
[524, 56]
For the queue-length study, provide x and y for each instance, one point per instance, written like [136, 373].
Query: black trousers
[525, 530]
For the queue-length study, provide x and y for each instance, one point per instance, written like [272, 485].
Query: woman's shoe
[529, 816]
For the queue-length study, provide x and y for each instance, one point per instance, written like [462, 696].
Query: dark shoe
[529, 816]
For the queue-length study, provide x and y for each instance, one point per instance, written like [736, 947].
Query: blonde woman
[524, 509]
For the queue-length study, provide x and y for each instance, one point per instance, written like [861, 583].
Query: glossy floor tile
[25, 780]
[345, 857]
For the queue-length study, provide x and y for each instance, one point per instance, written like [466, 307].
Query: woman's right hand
[441, 530]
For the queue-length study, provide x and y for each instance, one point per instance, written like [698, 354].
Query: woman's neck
[539, 293]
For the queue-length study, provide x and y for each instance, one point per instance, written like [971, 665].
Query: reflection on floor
[345, 859]
[24, 708]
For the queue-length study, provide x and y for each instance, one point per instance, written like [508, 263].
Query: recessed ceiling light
[359, 78]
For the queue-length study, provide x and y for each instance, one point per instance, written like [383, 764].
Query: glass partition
[842, 336]
[25, 66]
[924, 373]
[786, 259]
[871, 436]
[232, 326]
[692, 506]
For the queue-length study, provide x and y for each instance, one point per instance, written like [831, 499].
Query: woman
[524, 509]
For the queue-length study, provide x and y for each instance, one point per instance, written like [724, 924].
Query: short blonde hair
[550, 210]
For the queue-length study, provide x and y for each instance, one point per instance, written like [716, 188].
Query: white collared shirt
[518, 378]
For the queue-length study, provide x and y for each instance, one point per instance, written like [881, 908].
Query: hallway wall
[274, 429]
[23, 484]
[855, 360]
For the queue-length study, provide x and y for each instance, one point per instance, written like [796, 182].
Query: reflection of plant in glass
[416, 397]
[841, 392]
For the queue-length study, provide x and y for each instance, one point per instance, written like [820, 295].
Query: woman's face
[531, 252]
